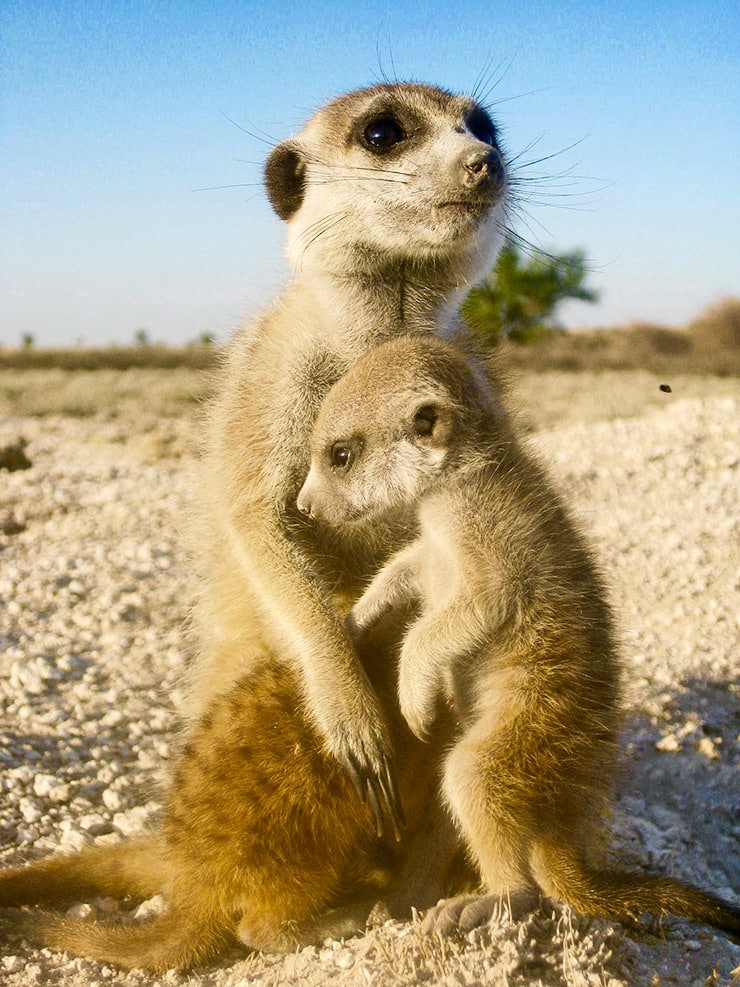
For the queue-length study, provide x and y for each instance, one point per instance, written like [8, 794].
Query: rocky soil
[93, 592]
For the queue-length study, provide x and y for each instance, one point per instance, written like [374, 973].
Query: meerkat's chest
[439, 557]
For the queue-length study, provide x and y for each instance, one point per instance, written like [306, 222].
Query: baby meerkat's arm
[397, 583]
[434, 643]
[433, 646]
[340, 697]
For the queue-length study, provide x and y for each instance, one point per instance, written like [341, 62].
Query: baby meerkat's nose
[303, 503]
[309, 494]
[483, 168]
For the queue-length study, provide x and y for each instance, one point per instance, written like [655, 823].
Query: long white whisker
[216, 188]
[488, 78]
[548, 157]
[265, 138]
[318, 229]
[332, 180]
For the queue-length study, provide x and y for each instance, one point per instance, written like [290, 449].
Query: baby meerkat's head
[398, 171]
[388, 430]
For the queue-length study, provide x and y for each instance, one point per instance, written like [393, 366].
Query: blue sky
[112, 115]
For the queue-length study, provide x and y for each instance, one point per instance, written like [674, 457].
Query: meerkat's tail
[135, 868]
[179, 939]
[562, 874]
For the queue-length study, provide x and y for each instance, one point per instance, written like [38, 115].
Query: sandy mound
[91, 602]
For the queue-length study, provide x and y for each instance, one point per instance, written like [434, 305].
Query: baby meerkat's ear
[285, 178]
[433, 422]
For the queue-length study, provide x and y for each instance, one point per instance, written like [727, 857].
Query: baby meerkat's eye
[342, 456]
[383, 133]
[424, 421]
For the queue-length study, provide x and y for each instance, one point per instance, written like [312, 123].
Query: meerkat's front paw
[364, 615]
[419, 717]
[418, 689]
[362, 746]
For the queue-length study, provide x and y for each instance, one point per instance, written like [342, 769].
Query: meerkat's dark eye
[342, 456]
[481, 127]
[383, 133]
[424, 421]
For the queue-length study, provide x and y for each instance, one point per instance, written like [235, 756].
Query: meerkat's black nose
[483, 168]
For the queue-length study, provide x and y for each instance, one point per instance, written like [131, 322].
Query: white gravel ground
[92, 597]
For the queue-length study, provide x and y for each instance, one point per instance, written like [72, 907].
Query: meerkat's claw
[353, 771]
[377, 788]
[374, 802]
[392, 800]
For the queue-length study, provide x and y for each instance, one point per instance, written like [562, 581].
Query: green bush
[517, 300]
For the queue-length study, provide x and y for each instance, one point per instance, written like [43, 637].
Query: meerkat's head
[398, 172]
[389, 429]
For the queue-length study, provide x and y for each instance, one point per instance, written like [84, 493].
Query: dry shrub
[645, 345]
[148, 357]
[647, 338]
[718, 327]
[709, 345]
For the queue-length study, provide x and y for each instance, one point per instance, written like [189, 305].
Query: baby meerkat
[513, 628]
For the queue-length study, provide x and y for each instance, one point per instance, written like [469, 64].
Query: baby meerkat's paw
[355, 626]
[419, 715]
[418, 690]
[467, 912]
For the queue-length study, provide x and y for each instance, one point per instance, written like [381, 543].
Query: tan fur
[379, 244]
[513, 630]
[261, 840]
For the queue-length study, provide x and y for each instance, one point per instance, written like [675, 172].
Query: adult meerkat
[395, 198]
[513, 628]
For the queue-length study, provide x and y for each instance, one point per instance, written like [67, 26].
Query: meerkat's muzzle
[483, 169]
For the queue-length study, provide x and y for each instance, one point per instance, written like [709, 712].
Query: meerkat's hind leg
[467, 912]
[525, 813]
[491, 796]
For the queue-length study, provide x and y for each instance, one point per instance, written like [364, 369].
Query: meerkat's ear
[433, 422]
[285, 178]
